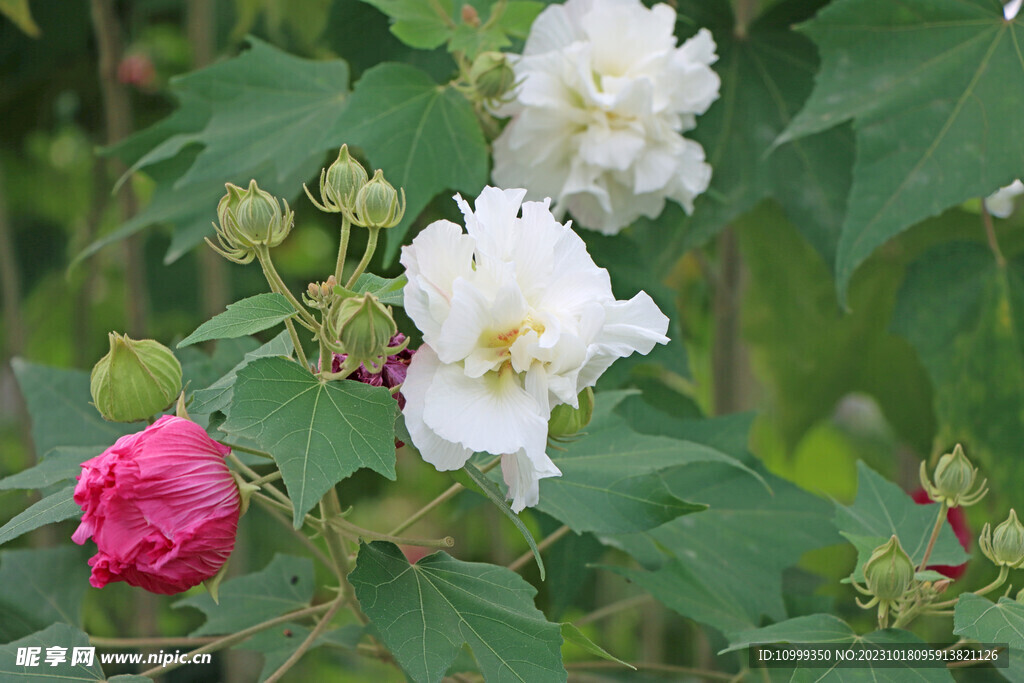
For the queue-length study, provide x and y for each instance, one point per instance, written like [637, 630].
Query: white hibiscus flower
[604, 94]
[516, 319]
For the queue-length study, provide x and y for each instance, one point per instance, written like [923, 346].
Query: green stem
[330, 508]
[246, 449]
[307, 643]
[344, 525]
[943, 509]
[229, 640]
[1004, 572]
[990, 234]
[371, 246]
[346, 229]
[267, 478]
[122, 643]
[277, 284]
[252, 474]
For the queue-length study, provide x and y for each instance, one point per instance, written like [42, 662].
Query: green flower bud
[378, 204]
[955, 478]
[566, 421]
[135, 380]
[364, 327]
[1005, 545]
[339, 184]
[491, 75]
[259, 219]
[889, 573]
[247, 218]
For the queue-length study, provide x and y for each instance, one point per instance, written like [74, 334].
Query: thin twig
[307, 643]
[312, 547]
[614, 608]
[990, 234]
[448, 493]
[555, 535]
[98, 641]
[355, 531]
[229, 640]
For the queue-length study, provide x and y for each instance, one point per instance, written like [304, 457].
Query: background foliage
[841, 310]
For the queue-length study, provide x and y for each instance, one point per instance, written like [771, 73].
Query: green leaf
[424, 613]
[883, 509]
[766, 75]
[980, 619]
[319, 433]
[932, 87]
[571, 634]
[58, 402]
[265, 114]
[218, 395]
[724, 566]
[416, 23]
[391, 292]
[613, 478]
[809, 353]
[490, 489]
[39, 587]
[56, 507]
[60, 464]
[825, 628]
[424, 136]
[242, 318]
[964, 314]
[19, 13]
[61, 635]
[284, 585]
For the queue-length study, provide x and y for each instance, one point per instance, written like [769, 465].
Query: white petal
[442, 454]
[439, 255]
[1001, 202]
[492, 413]
[522, 475]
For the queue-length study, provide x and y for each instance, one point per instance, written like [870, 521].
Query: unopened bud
[363, 326]
[889, 572]
[340, 183]
[955, 478]
[319, 294]
[378, 204]
[1005, 545]
[491, 75]
[135, 380]
[259, 218]
[470, 17]
[566, 421]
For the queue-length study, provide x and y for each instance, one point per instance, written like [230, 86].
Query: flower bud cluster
[346, 188]
[319, 295]
[248, 219]
[955, 480]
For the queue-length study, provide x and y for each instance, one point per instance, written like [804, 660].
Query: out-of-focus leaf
[766, 75]
[319, 433]
[265, 114]
[19, 13]
[284, 585]
[933, 88]
[58, 402]
[424, 612]
[809, 353]
[424, 136]
[724, 566]
[964, 314]
[60, 464]
[39, 587]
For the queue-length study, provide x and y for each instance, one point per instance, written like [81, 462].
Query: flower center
[501, 341]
